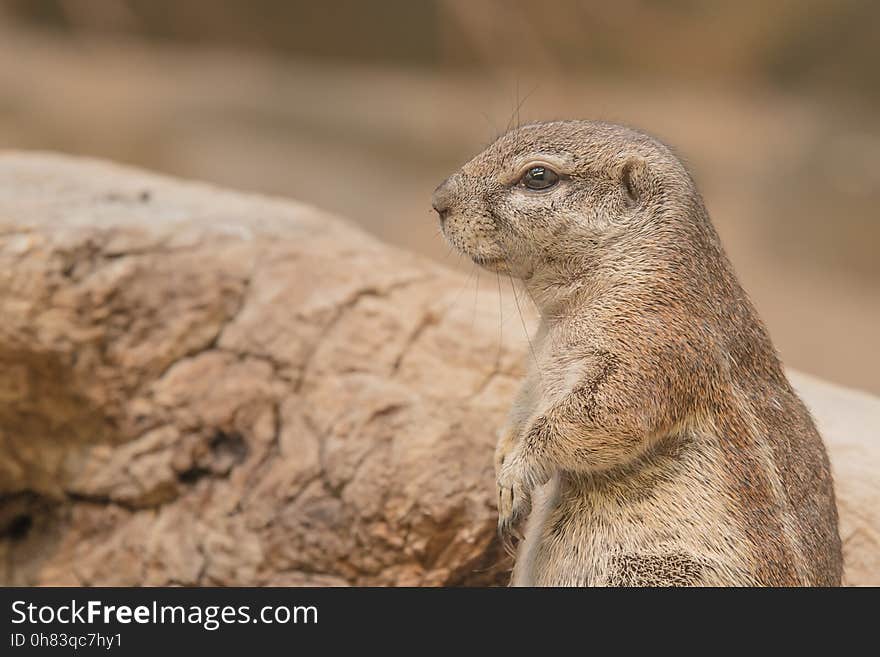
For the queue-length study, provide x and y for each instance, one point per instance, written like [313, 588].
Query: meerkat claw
[512, 504]
[507, 530]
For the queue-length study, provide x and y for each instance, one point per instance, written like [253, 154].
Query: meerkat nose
[442, 199]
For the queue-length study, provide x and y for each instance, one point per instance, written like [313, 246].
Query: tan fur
[655, 437]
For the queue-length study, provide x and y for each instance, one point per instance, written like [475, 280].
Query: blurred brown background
[363, 107]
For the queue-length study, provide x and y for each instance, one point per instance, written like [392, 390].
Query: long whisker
[461, 290]
[522, 104]
[515, 105]
[500, 323]
[519, 105]
[525, 330]
[476, 297]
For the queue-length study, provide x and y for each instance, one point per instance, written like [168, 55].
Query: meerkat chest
[555, 367]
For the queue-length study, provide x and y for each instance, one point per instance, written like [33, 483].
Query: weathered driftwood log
[205, 387]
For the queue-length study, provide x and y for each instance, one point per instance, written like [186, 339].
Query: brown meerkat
[656, 439]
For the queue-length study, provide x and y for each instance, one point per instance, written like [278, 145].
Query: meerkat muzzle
[441, 200]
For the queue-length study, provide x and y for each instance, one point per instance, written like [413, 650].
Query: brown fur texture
[655, 439]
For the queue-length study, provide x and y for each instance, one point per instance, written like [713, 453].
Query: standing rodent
[656, 438]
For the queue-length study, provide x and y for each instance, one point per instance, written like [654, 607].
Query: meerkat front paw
[513, 497]
[504, 447]
[517, 478]
[514, 500]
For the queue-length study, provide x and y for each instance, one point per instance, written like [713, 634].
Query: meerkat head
[557, 193]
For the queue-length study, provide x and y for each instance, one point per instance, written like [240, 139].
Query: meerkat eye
[539, 177]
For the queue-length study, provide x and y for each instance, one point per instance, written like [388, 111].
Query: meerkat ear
[634, 179]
